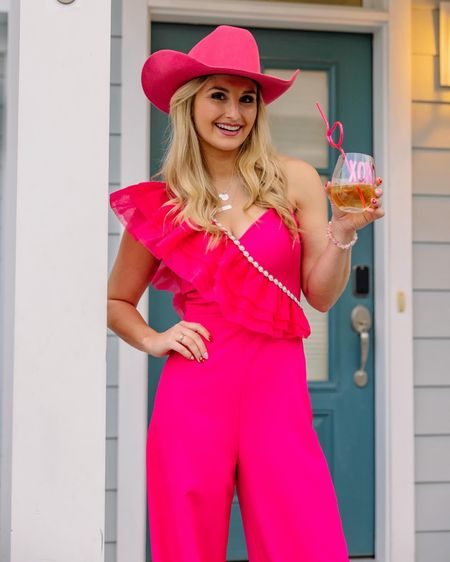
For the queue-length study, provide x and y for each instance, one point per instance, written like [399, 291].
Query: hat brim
[166, 70]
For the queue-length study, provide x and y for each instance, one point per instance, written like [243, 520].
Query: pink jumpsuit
[243, 417]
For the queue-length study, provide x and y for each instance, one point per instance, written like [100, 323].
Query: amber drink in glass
[354, 182]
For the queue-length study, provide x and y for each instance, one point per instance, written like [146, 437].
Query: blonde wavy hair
[188, 180]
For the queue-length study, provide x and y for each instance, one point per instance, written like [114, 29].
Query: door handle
[361, 323]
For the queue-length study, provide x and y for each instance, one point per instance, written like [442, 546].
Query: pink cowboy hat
[226, 50]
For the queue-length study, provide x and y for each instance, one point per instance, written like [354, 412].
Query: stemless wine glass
[354, 182]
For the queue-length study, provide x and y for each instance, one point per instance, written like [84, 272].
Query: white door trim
[267, 14]
[132, 364]
[391, 28]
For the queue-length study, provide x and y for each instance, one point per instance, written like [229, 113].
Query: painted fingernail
[205, 355]
[374, 201]
[192, 357]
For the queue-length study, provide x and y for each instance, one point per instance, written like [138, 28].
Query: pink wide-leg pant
[244, 418]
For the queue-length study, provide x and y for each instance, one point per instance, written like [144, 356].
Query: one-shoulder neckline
[252, 225]
[250, 228]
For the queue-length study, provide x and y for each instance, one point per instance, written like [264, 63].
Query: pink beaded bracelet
[339, 244]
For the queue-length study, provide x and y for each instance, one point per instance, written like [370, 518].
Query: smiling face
[224, 112]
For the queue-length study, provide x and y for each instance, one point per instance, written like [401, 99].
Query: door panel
[337, 71]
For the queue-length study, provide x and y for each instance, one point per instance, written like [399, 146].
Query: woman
[222, 233]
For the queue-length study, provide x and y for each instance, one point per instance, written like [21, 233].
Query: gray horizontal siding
[432, 458]
[432, 414]
[114, 122]
[433, 507]
[431, 124]
[431, 217]
[431, 362]
[112, 382]
[431, 283]
[432, 314]
[114, 158]
[431, 266]
[437, 543]
[425, 85]
[3, 46]
[430, 172]
[110, 552]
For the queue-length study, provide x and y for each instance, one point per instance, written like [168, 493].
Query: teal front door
[337, 72]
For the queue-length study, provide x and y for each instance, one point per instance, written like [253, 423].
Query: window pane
[296, 125]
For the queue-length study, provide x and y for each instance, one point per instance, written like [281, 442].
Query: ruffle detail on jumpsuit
[222, 275]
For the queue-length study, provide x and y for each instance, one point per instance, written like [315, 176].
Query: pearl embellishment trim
[256, 264]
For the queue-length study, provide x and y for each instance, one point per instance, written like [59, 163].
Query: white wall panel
[432, 412]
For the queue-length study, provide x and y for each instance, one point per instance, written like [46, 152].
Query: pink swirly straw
[330, 132]
[338, 144]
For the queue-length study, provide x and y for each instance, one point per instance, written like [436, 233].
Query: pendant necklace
[224, 196]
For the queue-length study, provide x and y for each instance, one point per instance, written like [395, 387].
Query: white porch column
[55, 272]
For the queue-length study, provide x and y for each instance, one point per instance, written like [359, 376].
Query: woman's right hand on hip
[191, 345]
